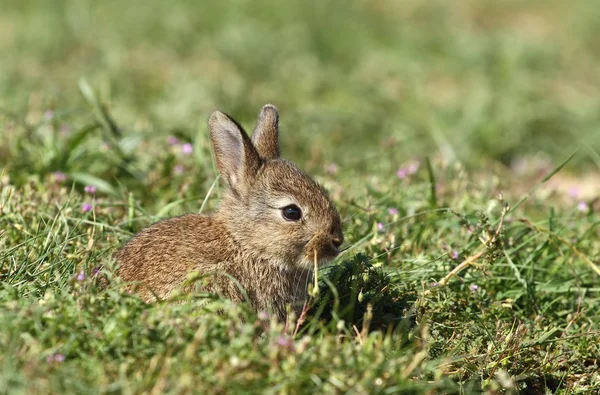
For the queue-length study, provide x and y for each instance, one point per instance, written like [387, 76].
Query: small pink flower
[454, 255]
[91, 189]
[474, 287]
[65, 130]
[172, 140]
[413, 168]
[332, 168]
[85, 207]
[401, 173]
[187, 149]
[58, 358]
[434, 284]
[574, 192]
[583, 207]
[80, 276]
[48, 115]
[393, 211]
[59, 176]
[379, 226]
[178, 170]
[286, 343]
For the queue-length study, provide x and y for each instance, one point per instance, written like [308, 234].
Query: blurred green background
[362, 84]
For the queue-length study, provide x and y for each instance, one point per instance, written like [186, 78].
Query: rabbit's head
[272, 209]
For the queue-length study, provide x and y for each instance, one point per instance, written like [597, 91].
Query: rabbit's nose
[336, 241]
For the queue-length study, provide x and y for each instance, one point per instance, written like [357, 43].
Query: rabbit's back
[160, 257]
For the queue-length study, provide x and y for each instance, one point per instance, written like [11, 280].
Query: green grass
[467, 91]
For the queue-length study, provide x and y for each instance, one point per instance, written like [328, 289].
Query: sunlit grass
[444, 133]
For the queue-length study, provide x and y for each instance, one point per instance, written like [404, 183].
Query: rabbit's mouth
[322, 256]
[322, 249]
[310, 263]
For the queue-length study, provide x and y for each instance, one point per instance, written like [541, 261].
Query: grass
[415, 115]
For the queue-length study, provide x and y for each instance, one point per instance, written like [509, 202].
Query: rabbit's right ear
[266, 133]
[236, 157]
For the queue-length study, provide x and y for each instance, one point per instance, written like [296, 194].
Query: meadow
[459, 140]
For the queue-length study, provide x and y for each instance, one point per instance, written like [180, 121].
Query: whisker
[306, 280]
[315, 275]
[295, 282]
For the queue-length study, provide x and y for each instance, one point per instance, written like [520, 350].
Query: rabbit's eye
[291, 212]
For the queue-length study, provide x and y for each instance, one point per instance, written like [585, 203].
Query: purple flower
[59, 176]
[85, 207]
[58, 358]
[413, 168]
[187, 149]
[286, 342]
[91, 189]
[379, 226]
[80, 276]
[172, 140]
[583, 207]
[401, 173]
[64, 130]
[474, 287]
[332, 168]
[454, 254]
[178, 170]
[96, 270]
[393, 211]
[574, 192]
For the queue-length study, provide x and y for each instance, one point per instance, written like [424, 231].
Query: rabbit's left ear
[237, 159]
[266, 133]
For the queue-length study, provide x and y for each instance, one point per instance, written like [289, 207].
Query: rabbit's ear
[235, 155]
[266, 133]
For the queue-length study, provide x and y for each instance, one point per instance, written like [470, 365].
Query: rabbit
[260, 244]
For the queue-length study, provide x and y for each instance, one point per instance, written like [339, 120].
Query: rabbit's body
[187, 244]
[273, 220]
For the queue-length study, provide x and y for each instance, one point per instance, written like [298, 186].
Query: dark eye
[291, 212]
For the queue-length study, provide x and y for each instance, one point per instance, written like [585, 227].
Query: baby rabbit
[272, 221]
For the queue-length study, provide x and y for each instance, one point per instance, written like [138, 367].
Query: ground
[459, 141]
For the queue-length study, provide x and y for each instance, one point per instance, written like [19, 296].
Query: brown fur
[247, 239]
